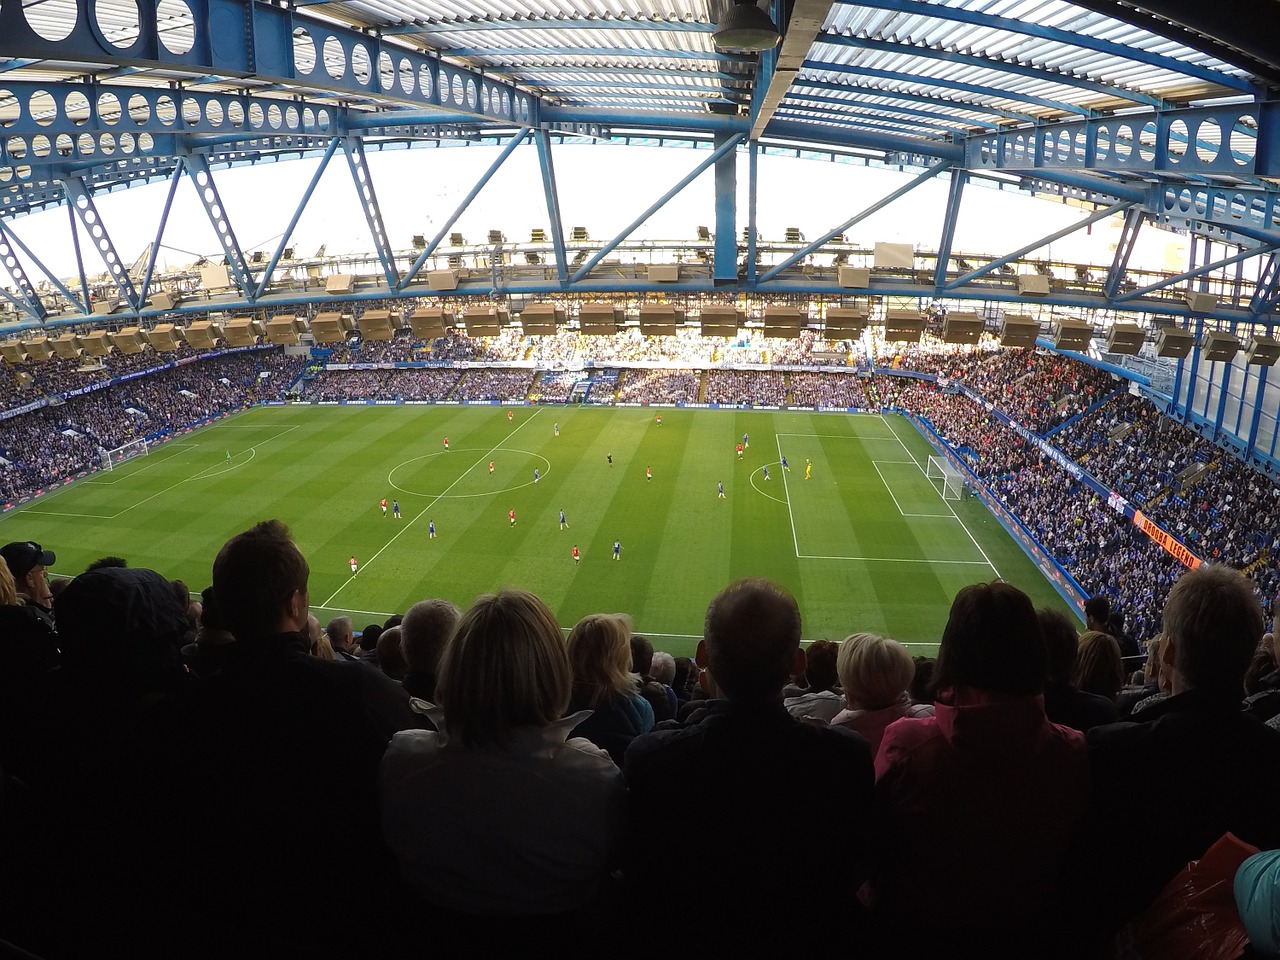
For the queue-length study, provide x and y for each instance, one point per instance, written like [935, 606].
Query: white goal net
[945, 478]
[113, 458]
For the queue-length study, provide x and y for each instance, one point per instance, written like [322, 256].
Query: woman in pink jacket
[981, 798]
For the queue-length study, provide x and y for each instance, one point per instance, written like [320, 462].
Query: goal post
[946, 479]
[114, 458]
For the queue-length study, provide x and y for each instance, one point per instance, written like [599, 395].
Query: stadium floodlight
[745, 27]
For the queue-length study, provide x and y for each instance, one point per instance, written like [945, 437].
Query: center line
[423, 513]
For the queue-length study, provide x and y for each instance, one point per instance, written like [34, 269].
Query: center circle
[481, 466]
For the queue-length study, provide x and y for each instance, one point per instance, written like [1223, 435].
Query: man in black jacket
[1187, 769]
[750, 770]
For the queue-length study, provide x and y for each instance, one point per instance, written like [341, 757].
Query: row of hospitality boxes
[541, 319]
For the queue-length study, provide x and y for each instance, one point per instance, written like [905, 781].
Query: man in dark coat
[749, 769]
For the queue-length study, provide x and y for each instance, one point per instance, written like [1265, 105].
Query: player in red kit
[511, 515]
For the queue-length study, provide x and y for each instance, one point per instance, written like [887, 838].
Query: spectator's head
[369, 638]
[27, 561]
[1097, 613]
[425, 631]
[320, 645]
[260, 577]
[104, 562]
[1099, 668]
[663, 667]
[1212, 624]
[1061, 643]
[751, 640]
[641, 655]
[1151, 669]
[992, 642]
[341, 634]
[120, 630]
[820, 665]
[874, 671]
[686, 677]
[600, 657]
[390, 659]
[921, 687]
[8, 591]
[505, 667]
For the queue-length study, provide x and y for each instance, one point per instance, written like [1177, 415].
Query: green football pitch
[867, 543]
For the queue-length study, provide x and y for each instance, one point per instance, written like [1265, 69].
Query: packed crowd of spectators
[827, 390]
[494, 385]
[65, 439]
[501, 784]
[746, 386]
[660, 386]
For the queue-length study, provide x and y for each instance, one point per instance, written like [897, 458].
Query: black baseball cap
[23, 555]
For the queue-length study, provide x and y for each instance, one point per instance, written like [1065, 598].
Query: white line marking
[978, 563]
[963, 526]
[760, 490]
[837, 436]
[787, 490]
[153, 460]
[940, 516]
[483, 459]
[78, 516]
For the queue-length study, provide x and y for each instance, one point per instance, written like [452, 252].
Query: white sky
[602, 187]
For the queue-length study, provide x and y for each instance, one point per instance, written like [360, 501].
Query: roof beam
[505, 53]
[958, 14]
[420, 27]
[881, 45]
[858, 108]
[996, 93]
[273, 44]
[968, 105]
[804, 23]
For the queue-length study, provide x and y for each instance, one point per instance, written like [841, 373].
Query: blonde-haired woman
[1099, 668]
[875, 672]
[496, 812]
[600, 658]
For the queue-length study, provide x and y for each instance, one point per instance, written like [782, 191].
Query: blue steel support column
[752, 191]
[958, 179]
[1124, 249]
[1244, 392]
[553, 203]
[880, 204]
[363, 179]
[84, 279]
[207, 191]
[82, 204]
[1189, 369]
[297, 215]
[730, 144]
[1259, 395]
[155, 246]
[1264, 292]
[1227, 367]
[725, 267]
[466, 202]
[30, 299]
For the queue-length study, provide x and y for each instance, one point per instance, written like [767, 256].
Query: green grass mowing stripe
[322, 470]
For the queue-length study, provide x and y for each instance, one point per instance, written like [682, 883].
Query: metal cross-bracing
[91, 222]
[220, 219]
[368, 199]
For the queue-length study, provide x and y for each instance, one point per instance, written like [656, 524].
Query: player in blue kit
[564, 524]
[766, 472]
[617, 549]
[536, 475]
[720, 490]
[395, 509]
[431, 529]
[784, 465]
[746, 440]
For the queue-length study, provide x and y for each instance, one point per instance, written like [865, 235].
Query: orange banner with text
[1174, 546]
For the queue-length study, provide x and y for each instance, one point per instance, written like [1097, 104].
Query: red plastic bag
[1195, 916]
